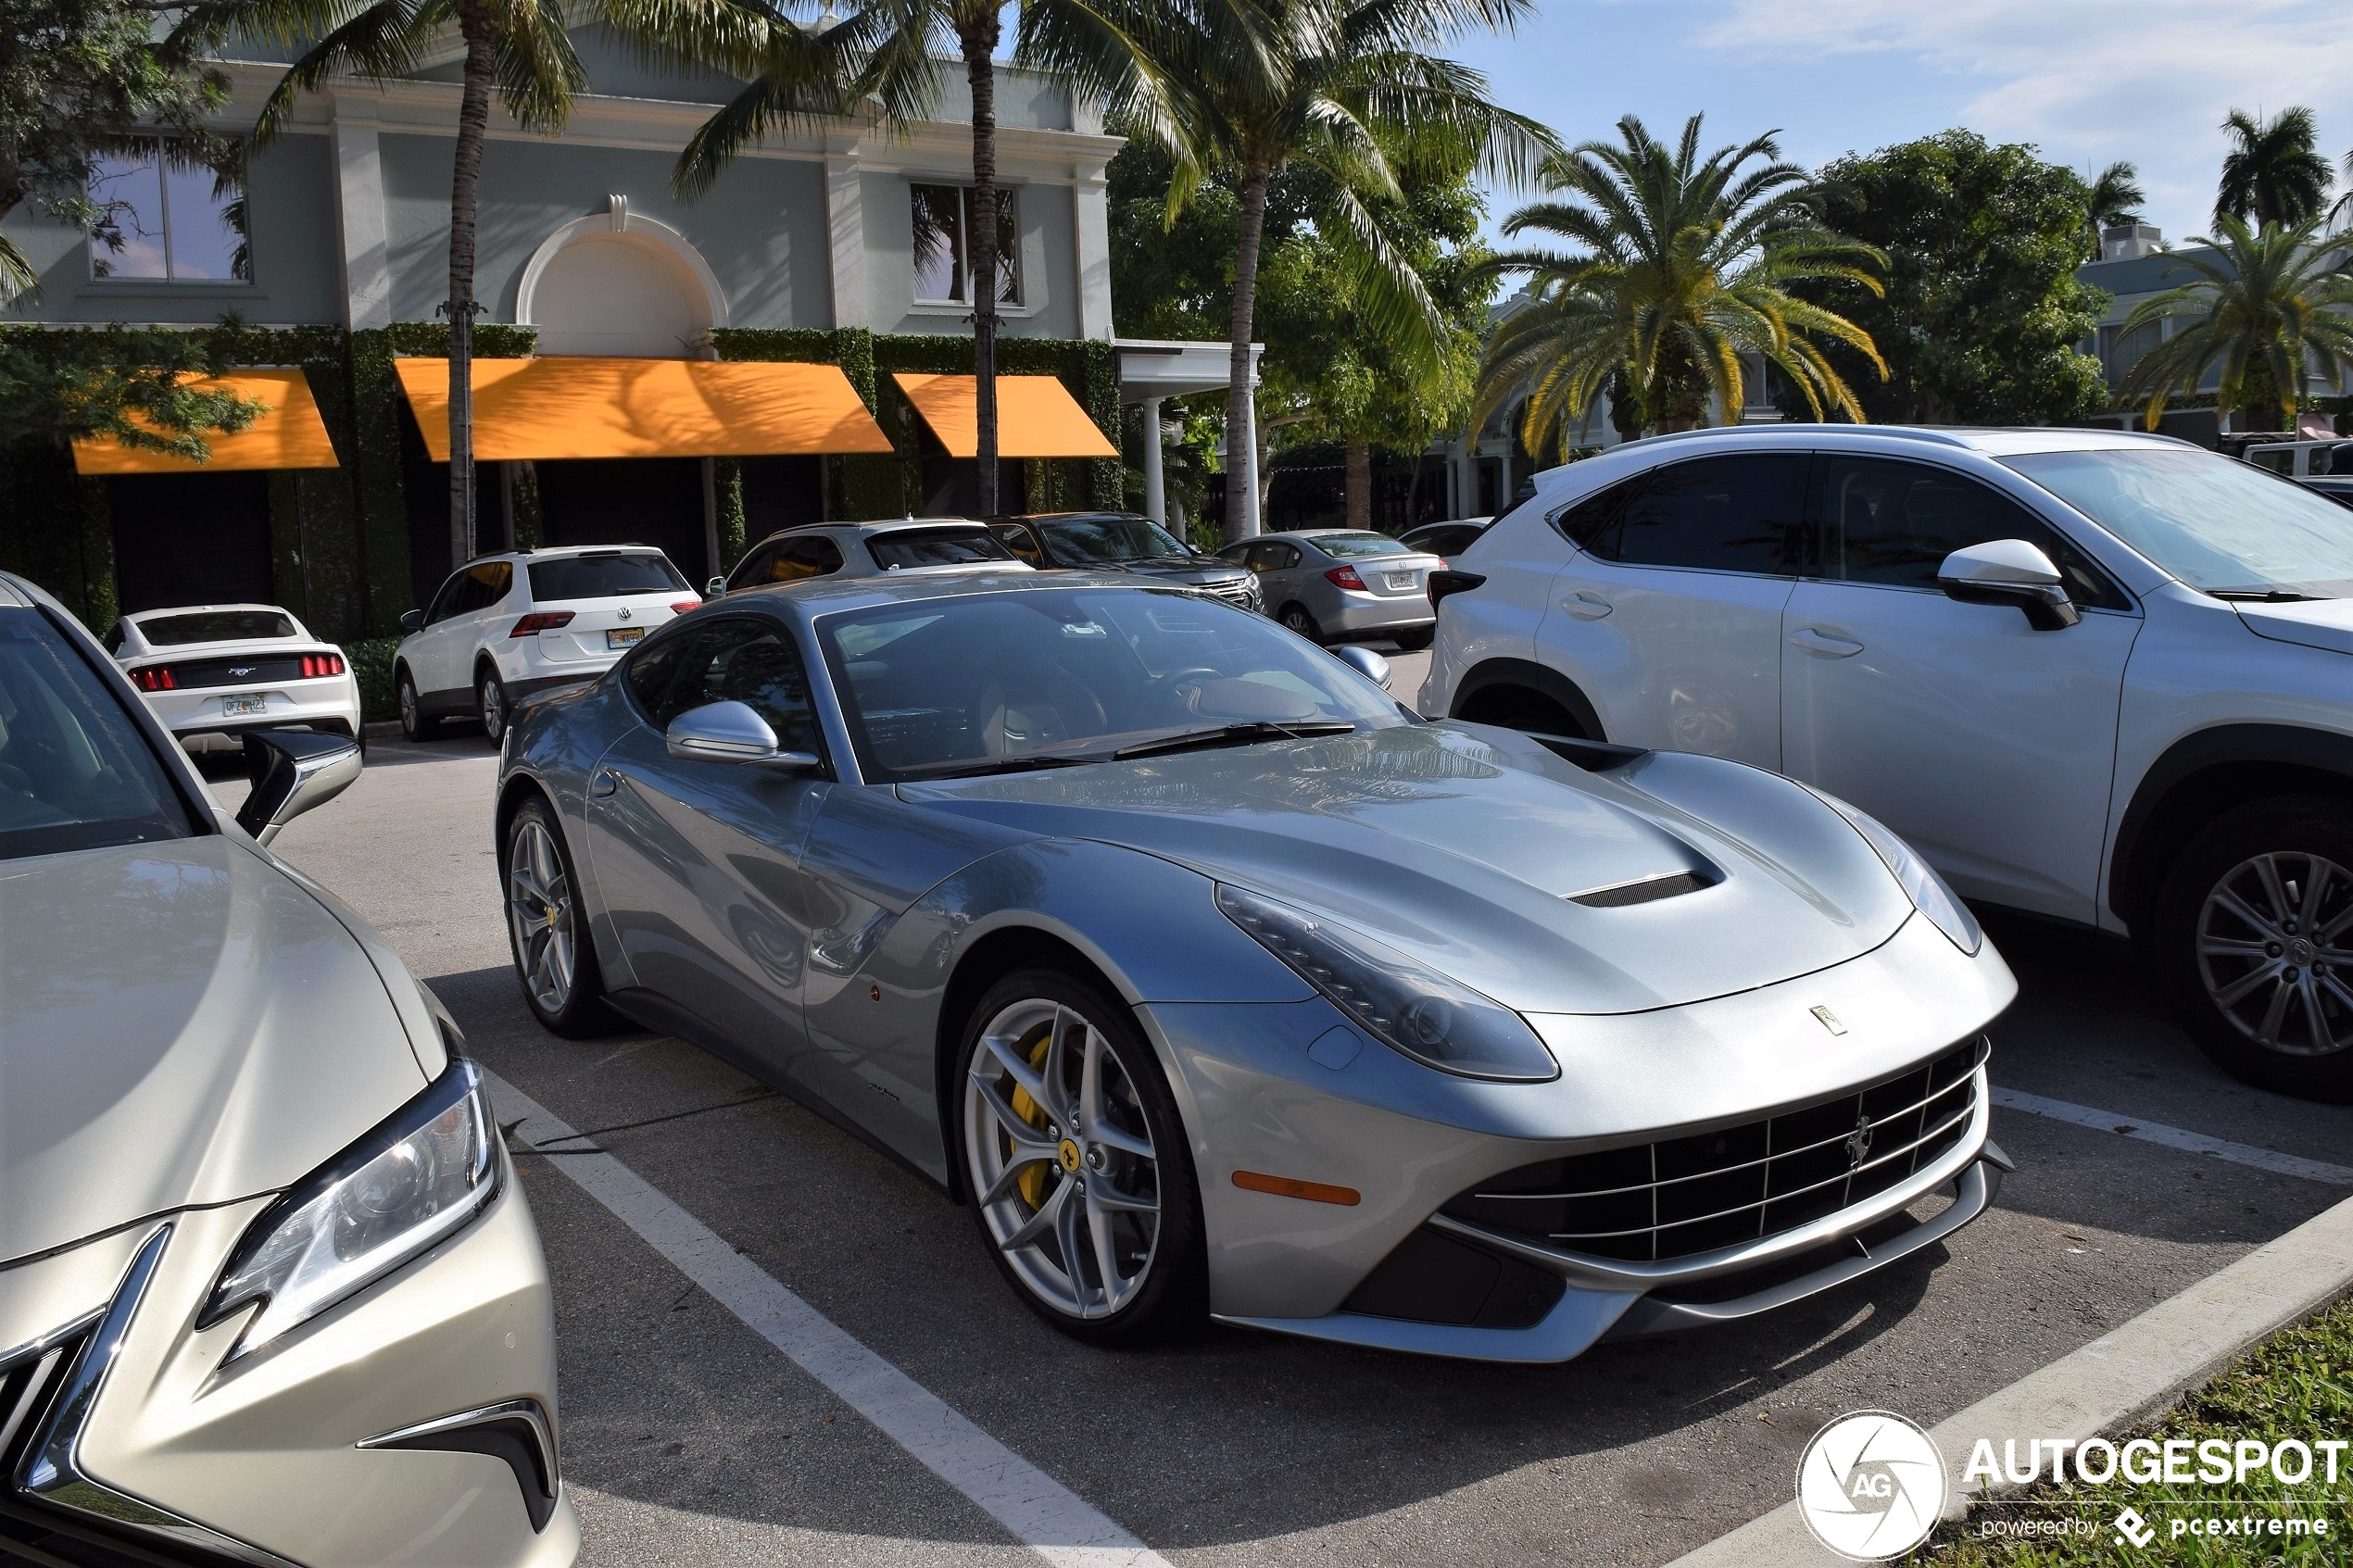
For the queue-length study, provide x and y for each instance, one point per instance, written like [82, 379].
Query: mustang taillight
[154, 678]
[317, 666]
[1345, 577]
[541, 620]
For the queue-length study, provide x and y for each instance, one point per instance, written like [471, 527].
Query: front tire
[555, 956]
[2254, 938]
[490, 699]
[414, 725]
[1296, 619]
[1077, 1163]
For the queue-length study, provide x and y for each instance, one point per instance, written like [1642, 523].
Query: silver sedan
[1329, 584]
[1215, 982]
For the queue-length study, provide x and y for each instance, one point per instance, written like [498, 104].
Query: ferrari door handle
[605, 782]
[1828, 646]
[1585, 606]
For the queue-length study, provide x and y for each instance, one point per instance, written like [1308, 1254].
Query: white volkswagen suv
[2102, 677]
[507, 625]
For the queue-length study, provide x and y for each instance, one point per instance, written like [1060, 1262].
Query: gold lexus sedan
[269, 1291]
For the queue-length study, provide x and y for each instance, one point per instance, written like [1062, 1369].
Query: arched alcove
[619, 284]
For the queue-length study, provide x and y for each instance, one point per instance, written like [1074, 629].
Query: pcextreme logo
[1871, 1486]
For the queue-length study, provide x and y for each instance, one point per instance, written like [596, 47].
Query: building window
[184, 223]
[943, 263]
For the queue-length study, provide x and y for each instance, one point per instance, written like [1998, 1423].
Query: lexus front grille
[1696, 1193]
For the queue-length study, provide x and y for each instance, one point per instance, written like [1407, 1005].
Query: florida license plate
[622, 637]
[1400, 579]
[240, 707]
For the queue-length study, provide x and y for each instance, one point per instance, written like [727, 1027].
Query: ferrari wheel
[555, 957]
[1078, 1162]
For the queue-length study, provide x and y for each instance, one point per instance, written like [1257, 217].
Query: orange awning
[560, 406]
[1036, 417]
[289, 434]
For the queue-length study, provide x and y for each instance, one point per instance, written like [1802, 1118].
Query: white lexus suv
[2102, 677]
[507, 625]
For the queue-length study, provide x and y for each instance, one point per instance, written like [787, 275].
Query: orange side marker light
[1291, 1186]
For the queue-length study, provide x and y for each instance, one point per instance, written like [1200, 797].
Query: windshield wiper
[997, 765]
[2261, 596]
[1233, 735]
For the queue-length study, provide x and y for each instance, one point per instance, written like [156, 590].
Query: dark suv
[1123, 541]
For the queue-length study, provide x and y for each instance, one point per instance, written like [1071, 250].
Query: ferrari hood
[1670, 880]
[181, 1024]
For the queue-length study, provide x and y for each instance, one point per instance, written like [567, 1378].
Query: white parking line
[2177, 1138]
[1042, 1512]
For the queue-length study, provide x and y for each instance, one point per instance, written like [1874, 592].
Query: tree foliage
[79, 80]
[128, 384]
[1982, 312]
[2265, 309]
[2274, 172]
[1683, 264]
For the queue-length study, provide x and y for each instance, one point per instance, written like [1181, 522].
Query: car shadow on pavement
[1224, 1437]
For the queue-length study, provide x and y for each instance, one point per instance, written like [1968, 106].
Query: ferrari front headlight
[1438, 1021]
[1920, 883]
[420, 1175]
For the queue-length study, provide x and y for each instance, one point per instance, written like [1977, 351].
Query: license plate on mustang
[237, 707]
[1401, 579]
[620, 637]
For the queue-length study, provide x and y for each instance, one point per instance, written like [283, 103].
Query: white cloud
[2089, 81]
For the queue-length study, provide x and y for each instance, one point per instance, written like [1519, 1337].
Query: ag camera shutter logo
[1870, 1487]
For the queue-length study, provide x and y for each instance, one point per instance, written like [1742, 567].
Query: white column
[359, 224]
[1155, 482]
[1250, 523]
[1091, 195]
[846, 231]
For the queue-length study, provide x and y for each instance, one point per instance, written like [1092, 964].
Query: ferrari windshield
[995, 683]
[2221, 526]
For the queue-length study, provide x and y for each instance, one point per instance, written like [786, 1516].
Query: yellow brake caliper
[1033, 1181]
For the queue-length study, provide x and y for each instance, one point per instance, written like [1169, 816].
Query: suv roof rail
[1917, 433]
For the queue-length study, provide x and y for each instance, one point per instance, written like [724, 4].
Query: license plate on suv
[240, 707]
[622, 637]
[1399, 578]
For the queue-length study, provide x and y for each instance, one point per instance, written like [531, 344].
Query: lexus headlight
[1405, 1006]
[1926, 889]
[418, 1176]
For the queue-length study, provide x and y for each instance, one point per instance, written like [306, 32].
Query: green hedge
[372, 663]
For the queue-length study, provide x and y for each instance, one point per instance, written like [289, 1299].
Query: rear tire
[2254, 940]
[555, 955]
[1416, 641]
[1295, 618]
[1085, 1195]
[414, 725]
[1516, 708]
[490, 701]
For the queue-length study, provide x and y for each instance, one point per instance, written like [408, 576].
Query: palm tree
[2112, 197]
[881, 50]
[1254, 87]
[2272, 173]
[517, 50]
[1682, 265]
[2266, 309]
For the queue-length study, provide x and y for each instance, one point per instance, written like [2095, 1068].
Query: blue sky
[2088, 81]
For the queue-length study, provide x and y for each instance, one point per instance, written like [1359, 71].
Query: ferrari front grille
[1694, 1193]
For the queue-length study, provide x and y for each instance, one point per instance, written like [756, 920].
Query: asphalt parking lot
[689, 1438]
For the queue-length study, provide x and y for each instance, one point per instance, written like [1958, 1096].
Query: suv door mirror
[293, 772]
[2009, 572]
[732, 732]
[715, 589]
[412, 619]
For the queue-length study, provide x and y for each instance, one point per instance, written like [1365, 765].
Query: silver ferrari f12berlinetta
[1216, 981]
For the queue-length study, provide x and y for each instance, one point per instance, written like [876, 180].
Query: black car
[1123, 541]
[2336, 487]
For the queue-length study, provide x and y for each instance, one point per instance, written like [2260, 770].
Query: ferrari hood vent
[1649, 890]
